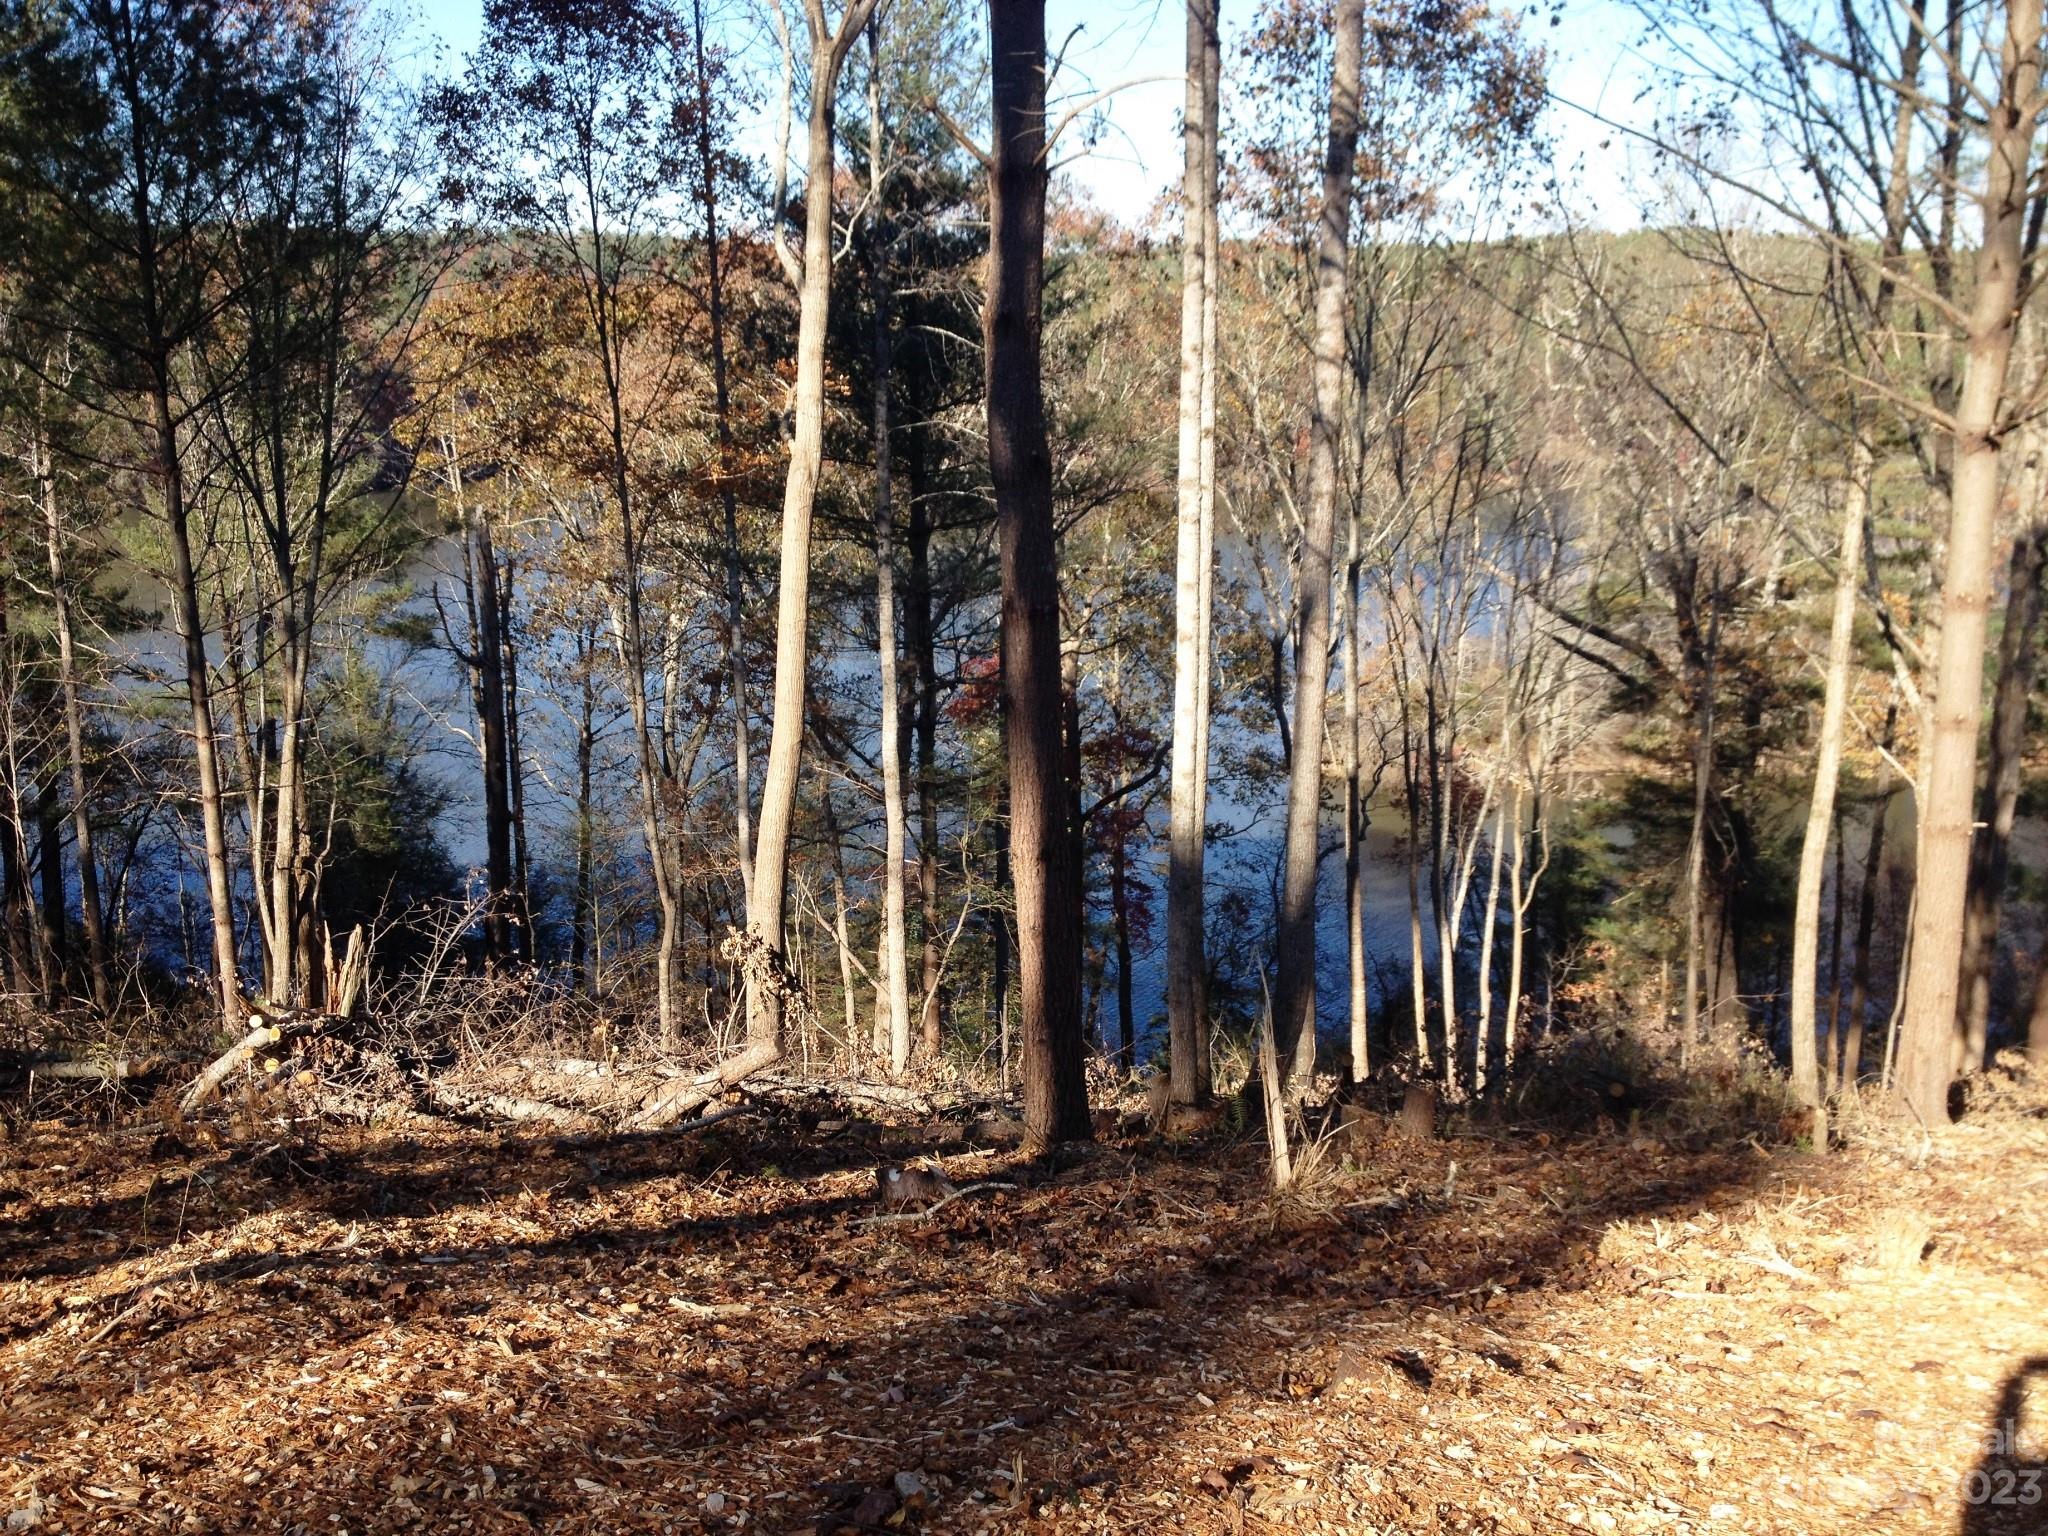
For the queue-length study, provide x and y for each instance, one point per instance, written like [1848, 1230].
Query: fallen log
[462, 1101]
[867, 1093]
[95, 1069]
[665, 1105]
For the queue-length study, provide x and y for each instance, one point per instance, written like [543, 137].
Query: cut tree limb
[266, 1032]
[94, 1069]
[462, 1101]
[669, 1103]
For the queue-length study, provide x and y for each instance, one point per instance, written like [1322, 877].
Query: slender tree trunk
[1998, 801]
[923, 655]
[1205, 602]
[1521, 894]
[99, 966]
[1120, 921]
[1926, 1058]
[1831, 1031]
[487, 652]
[1048, 886]
[515, 768]
[583, 912]
[1186, 965]
[50, 868]
[849, 1003]
[1851, 1067]
[1820, 809]
[1696, 849]
[735, 594]
[1483, 1033]
[205, 745]
[1000, 944]
[1418, 986]
[23, 954]
[1355, 816]
[895, 948]
[799, 498]
[1294, 1000]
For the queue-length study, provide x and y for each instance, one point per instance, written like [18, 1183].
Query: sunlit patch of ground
[451, 1331]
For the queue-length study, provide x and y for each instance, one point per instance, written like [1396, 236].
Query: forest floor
[466, 1330]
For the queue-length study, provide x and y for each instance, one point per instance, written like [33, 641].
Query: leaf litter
[453, 1329]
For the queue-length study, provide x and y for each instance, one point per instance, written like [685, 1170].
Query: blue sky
[1593, 63]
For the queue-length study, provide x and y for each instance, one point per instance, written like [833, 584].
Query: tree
[1295, 991]
[1046, 878]
[895, 952]
[1186, 963]
[1926, 1044]
[136, 126]
[576, 124]
[811, 275]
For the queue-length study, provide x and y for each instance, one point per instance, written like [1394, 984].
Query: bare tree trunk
[1355, 816]
[1439, 892]
[515, 768]
[735, 594]
[799, 497]
[1926, 1057]
[895, 949]
[1820, 809]
[583, 909]
[198, 690]
[1186, 965]
[1851, 1067]
[1205, 602]
[849, 1004]
[1418, 985]
[487, 668]
[50, 866]
[25, 958]
[1294, 1001]
[1120, 921]
[1696, 850]
[917, 634]
[1048, 886]
[1997, 802]
[99, 967]
[1484, 1030]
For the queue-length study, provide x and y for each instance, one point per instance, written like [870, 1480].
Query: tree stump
[1418, 1112]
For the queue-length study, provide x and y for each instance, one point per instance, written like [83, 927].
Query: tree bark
[487, 673]
[1294, 1000]
[198, 691]
[1998, 800]
[1212, 271]
[583, 909]
[1048, 885]
[799, 498]
[1851, 1064]
[1187, 817]
[917, 635]
[1926, 1051]
[1355, 815]
[1700, 666]
[895, 949]
[1820, 809]
[515, 766]
[98, 966]
[721, 399]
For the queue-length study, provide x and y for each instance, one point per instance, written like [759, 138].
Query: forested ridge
[677, 596]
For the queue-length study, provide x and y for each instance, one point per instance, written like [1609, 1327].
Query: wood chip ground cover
[450, 1330]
